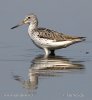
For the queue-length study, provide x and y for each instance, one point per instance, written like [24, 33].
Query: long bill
[17, 25]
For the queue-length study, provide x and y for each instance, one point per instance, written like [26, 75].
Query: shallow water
[25, 73]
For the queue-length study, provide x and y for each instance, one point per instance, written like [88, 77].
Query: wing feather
[53, 35]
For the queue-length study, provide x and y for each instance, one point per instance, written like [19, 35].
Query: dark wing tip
[83, 38]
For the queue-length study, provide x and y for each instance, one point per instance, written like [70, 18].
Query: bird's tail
[82, 38]
[78, 39]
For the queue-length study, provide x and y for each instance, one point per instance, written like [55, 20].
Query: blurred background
[17, 51]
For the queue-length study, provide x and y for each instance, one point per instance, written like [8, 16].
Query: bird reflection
[48, 67]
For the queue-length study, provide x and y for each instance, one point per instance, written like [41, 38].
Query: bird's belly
[58, 45]
[50, 44]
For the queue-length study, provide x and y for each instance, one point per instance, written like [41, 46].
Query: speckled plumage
[47, 39]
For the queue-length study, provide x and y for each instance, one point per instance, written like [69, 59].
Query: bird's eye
[28, 17]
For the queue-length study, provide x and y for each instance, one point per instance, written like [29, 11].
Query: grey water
[24, 72]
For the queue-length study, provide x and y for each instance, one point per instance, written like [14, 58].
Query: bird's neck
[33, 25]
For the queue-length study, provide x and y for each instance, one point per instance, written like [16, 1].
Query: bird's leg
[52, 53]
[46, 52]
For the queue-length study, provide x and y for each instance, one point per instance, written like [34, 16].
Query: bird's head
[31, 18]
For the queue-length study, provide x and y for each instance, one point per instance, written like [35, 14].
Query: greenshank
[47, 39]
